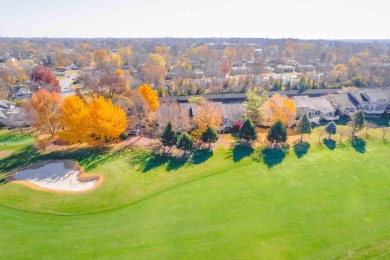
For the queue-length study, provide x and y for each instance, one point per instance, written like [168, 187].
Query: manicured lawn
[238, 203]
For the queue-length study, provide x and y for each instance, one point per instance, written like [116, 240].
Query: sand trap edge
[69, 163]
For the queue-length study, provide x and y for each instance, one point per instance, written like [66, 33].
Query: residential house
[231, 113]
[317, 108]
[283, 69]
[372, 102]
[345, 104]
[7, 109]
[20, 92]
[304, 68]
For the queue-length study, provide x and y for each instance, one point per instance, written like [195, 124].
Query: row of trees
[74, 119]
[184, 141]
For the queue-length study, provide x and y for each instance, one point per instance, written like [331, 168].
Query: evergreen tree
[357, 121]
[169, 136]
[248, 131]
[209, 136]
[304, 125]
[331, 128]
[184, 142]
[277, 133]
[253, 105]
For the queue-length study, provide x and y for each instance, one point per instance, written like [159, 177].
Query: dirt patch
[5, 153]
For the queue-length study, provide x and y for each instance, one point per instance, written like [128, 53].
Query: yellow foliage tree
[125, 54]
[150, 95]
[119, 72]
[105, 119]
[75, 119]
[206, 115]
[116, 58]
[98, 119]
[278, 108]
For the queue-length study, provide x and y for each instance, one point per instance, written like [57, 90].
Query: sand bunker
[58, 175]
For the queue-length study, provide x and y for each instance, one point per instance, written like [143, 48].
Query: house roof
[284, 67]
[380, 94]
[345, 100]
[3, 114]
[232, 111]
[5, 104]
[240, 97]
[316, 103]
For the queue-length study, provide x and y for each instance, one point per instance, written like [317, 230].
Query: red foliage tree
[43, 78]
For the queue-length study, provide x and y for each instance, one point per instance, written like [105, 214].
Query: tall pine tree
[184, 142]
[304, 125]
[209, 136]
[248, 131]
[169, 137]
[277, 133]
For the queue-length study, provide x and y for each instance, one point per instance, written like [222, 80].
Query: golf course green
[328, 201]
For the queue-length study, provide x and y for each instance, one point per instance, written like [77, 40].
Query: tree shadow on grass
[239, 152]
[89, 158]
[301, 148]
[200, 156]
[329, 143]
[175, 164]
[149, 161]
[358, 144]
[22, 158]
[270, 156]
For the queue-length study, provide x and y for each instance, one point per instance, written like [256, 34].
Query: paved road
[66, 82]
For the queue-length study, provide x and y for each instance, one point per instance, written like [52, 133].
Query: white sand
[54, 176]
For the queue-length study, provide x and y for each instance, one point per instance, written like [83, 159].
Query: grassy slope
[318, 206]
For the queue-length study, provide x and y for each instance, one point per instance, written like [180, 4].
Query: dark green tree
[304, 125]
[169, 137]
[357, 121]
[209, 136]
[331, 128]
[277, 133]
[248, 131]
[184, 142]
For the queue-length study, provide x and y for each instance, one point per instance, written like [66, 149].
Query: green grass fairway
[320, 203]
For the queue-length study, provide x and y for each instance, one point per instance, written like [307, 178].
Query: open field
[330, 201]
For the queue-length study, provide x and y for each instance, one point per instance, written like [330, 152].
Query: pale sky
[306, 19]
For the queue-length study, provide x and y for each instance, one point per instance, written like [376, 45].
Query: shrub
[237, 126]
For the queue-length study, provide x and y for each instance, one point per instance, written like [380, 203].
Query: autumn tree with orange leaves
[96, 120]
[44, 112]
[207, 114]
[150, 96]
[278, 108]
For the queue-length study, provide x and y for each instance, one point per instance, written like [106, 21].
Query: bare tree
[385, 130]
[344, 131]
[173, 112]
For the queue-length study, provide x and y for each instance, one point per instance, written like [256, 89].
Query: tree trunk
[301, 137]
[329, 137]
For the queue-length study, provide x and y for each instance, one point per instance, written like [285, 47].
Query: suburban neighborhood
[194, 130]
